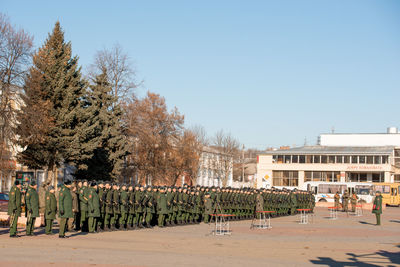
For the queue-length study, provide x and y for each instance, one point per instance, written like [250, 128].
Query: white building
[337, 158]
[214, 167]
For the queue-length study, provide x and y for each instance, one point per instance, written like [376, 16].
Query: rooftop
[384, 150]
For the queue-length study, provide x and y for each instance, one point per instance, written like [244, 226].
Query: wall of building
[383, 139]
[265, 168]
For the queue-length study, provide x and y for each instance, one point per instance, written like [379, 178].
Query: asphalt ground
[347, 241]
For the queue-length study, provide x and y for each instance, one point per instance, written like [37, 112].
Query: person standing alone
[14, 207]
[377, 208]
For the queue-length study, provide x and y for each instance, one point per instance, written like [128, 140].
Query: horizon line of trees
[94, 122]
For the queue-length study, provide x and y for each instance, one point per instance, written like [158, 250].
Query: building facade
[372, 158]
[215, 168]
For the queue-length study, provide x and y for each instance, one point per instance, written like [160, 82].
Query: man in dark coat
[14, 207]
[32, 208]
[65, 207]
[50, 210]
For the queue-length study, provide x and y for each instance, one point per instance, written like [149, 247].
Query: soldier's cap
[207, 193]
[50, 188]
[33, 183]
[84, 181]
[108, 183]
[93, 183]
[67, 182]
[16, 182]
[101, 182]
[378, 192]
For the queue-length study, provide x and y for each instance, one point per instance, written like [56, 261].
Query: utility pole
[243, 163]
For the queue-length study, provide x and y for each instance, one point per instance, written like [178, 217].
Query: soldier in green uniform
[170, 206]
[32, 208]
[162, 209]
[50, 210]
[377, 207]
[93, 207]
[109, 192]
[124, 204]
[116, 207]
[100, 220]
[337, 200]
[74, 223]
[83, 204]
[64, 207]
[354, 200]
[14, 207]
[345, 201]
[131, 212]
[139, 206]
[149, 204]
[208, 207]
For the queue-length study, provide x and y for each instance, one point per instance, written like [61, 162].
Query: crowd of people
[105, 206]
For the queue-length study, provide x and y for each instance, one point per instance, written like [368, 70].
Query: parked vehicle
[390, 193]
[325, 191]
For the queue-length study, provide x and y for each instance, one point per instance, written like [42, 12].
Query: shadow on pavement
[395, 221]
[379, 258]
[362, 222]
[77, 234]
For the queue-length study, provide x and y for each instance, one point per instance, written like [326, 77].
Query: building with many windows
[337, 158]
[215, 168]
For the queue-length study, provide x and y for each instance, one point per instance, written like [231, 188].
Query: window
[384, 159]
[363, 177]
[280, 159]
[377, 160]
[370, 160]
[316, 176]
[309, 159]
[331, 159]
[384, 189]
[361, 159]
[377, 177]
[331, 188]
[274, 158]
[339, 159]
[287, 159]
[317, 159]
[363, 190]
[324, 159]
[307, 176]
[285, 178]
[397, 178]
[354, 159]
[295, 159]
[302, 159]
[346, 159]
[3, 197]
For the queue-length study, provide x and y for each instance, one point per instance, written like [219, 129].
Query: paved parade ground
[348, 241]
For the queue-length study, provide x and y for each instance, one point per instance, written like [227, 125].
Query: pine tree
[54, 79]
[102, 127]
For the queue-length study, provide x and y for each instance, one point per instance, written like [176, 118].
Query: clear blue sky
[270, 72]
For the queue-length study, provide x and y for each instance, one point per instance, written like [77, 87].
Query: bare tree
[15, 50]
[228, 146]
[119, 68]
[200, 134]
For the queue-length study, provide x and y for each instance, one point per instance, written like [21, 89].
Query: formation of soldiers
[95, 207]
